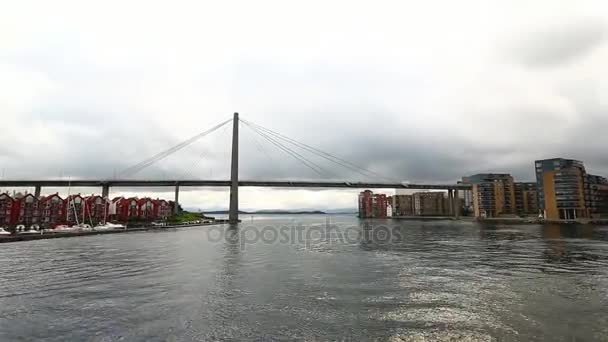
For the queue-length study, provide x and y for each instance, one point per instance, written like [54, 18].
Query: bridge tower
[233, 214]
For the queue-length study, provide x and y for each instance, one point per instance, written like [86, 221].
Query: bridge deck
[226, 183]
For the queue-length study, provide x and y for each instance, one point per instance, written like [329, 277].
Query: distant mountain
[269, 211]
[222, 211]
[293, 212]
[342, 211]
[282, 211]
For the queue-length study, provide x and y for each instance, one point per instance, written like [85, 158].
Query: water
[411, 281]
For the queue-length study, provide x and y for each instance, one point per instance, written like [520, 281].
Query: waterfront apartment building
[74, 209]
[96, 209]
[567, 192]
[493, 194]
[124, 209]
[29, 212]
[596, 195]
[403, 205]
[52, 209]
[162, 209]
[145, 208]
[139, 209]
[372, 205]
[526, 198]
[429, 204]
[9, 210]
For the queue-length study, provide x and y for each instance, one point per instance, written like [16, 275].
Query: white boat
[20, 228]
[64, 228]
[108, 226]
[4, 232]
[83, 227]
[30, 231]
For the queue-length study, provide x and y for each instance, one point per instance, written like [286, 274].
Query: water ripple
[443, 281]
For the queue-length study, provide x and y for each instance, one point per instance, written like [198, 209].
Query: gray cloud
[398, 96]
[560, 44]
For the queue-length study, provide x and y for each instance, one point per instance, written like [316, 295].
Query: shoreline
[425, 218]
[52, 235]
[503, 220]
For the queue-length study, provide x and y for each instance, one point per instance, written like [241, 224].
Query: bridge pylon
[233, 213]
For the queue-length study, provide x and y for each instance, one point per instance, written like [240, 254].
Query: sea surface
[311, 277]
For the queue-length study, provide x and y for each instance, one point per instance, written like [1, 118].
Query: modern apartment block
[372, 205]
[430, 204]
[526, 198]
[567, 192]
[596, 195]
[493, 194]
[403, 205]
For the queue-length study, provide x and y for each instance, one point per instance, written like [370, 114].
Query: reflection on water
[317, 279]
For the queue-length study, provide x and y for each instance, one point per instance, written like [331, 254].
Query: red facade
[49, 211]
[96, 208]
[145, 207]
[9, 210]
[74, 207]
[124, 209]
[52, 210]
[372, 205]
[29, 212]
[162, 209]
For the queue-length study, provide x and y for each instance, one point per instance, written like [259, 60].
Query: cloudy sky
[423, 91]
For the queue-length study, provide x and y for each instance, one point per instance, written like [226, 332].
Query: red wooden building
[29, 212]
[9, 210]
[124, 209]
[162, 209]
[52, 208]
[74, 206]
[145, 208]
[96, 208]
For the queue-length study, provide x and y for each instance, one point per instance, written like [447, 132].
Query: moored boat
[83, 227]
[64, 228]
[31, 230]
[109, 226]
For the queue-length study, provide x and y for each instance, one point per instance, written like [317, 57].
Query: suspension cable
[308, 163]
[320, 153]
[159, 156]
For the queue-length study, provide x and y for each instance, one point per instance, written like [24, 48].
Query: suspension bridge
[279, 140]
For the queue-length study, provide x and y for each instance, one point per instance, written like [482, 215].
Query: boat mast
[67, 211]
[105, 210]
[85, 214]
[75, 213]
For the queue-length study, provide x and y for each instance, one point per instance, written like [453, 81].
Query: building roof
[485, 177]
[48, 197]
[6, 195]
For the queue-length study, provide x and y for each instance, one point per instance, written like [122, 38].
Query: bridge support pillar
[233, 214]
[456, 204]
[105, 191]
[450, 202]
[176, 203]
[37, 191]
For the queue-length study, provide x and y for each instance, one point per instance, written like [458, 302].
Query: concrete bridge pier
[37, 191]
[105, 191]
[456, 204]
[176, 208]
[450, 202]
